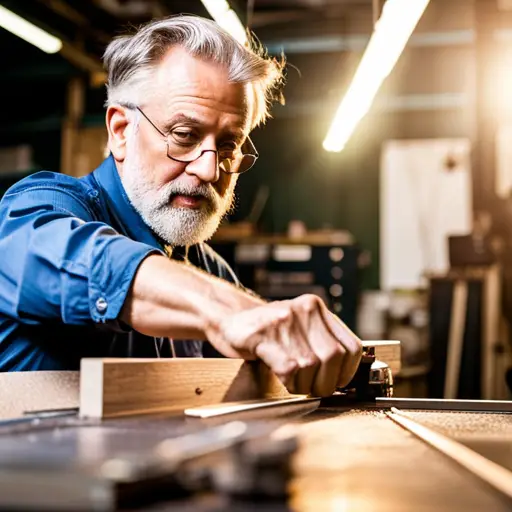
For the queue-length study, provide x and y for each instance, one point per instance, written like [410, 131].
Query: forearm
[172, 299]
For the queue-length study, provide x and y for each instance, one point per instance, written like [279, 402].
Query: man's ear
[117, 121]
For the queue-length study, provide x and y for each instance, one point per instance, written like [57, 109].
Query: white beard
[177, 226]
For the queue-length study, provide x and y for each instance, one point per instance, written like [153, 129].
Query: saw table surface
[348, 460]
[488, 434]
[361, 461]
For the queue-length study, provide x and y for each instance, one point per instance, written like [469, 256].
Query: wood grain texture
[120, 387]
[22, 392]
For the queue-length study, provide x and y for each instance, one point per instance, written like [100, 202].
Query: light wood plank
[120, 387]
[225, 409]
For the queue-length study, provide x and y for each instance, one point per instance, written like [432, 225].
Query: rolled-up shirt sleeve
[57, 262]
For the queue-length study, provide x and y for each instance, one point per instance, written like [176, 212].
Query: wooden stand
[469, 307]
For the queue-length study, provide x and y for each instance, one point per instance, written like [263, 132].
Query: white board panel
[423, 200]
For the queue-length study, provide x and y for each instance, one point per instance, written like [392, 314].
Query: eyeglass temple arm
[151, 122]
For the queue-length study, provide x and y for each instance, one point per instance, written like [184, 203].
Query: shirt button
[95, 195]
[101, 305]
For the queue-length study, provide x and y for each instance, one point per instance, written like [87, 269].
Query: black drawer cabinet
[283, 271]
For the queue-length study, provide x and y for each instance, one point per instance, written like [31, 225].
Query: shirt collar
[125, 215]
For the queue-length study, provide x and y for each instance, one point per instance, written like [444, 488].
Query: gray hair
[131, 59]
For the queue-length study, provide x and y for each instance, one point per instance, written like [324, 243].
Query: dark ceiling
[86, 26]
[35, 83]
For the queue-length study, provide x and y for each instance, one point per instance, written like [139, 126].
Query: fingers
[305, 345]
[276, 358]
[291, 338]
[301, 352]
[336, 349]
[328, 352]
[331, 355]
[263, 332]
[351, 344]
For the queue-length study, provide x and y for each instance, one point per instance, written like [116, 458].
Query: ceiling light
[226, 17]
[392, 31]
[28, 31]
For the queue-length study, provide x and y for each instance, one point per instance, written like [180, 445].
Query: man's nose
[206, 167]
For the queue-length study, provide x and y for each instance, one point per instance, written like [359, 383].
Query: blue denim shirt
[69, 249]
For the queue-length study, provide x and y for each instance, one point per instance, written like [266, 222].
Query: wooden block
[119, 387]
[22, 392]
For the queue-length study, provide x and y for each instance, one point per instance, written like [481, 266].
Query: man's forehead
[182, 78]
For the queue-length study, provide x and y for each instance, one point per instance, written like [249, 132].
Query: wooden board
[121, 387]
[22, 392]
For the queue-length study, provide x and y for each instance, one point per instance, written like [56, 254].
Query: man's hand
[300, 340]
[305, 345]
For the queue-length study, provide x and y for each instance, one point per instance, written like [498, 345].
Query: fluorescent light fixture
[28, 31]
[392, 31]
[226, 17]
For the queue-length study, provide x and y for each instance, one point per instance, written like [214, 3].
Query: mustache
[180, 189]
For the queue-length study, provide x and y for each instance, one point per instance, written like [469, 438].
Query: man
[115, 264]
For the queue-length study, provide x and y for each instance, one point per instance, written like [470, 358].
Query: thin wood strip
[211, 411]
[488, 471]
[456, 339]
[490, 330]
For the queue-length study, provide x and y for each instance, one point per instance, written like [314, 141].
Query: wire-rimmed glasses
[231, 159]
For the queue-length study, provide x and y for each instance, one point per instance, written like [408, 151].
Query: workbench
[349, 459]
[304, 454]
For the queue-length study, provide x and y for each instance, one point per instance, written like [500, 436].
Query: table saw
[355, 451]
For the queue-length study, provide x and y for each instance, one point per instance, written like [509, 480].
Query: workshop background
[406, 233]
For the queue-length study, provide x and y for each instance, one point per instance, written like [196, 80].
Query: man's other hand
[304, 344]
